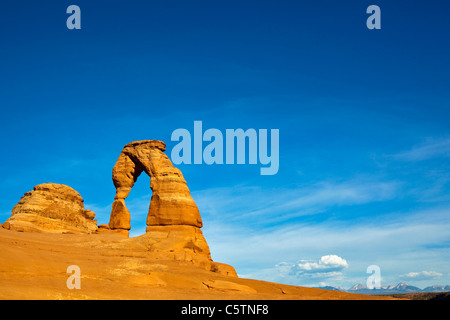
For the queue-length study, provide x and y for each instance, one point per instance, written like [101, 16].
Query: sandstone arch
[171, 202]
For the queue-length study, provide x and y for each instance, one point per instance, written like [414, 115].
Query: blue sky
[363, 117]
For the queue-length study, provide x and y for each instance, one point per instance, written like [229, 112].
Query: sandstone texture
[51, 208]
[171, 202]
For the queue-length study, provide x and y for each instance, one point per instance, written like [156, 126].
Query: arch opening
[171, 202]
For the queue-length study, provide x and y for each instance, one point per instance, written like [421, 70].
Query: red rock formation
[171, 202]
[51, 208]
[173, 221]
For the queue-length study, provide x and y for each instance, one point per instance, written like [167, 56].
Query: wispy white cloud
[276, 205]
[427, 150]
[422, 275]
[316, 198]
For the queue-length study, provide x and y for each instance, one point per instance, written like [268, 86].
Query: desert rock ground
[34, 266]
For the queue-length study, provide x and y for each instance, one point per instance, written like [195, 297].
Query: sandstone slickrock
[227, 286]
[51, 208]
[179, 243]
[33, 267]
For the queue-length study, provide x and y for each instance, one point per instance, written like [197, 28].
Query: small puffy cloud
[422, 275]
[328, 266]
[328, 263]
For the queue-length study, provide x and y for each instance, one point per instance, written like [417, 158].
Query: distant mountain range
[400, 288]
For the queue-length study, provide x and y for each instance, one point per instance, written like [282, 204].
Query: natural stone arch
[171, 202]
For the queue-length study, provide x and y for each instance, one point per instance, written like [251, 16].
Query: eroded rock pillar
[125, 174]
